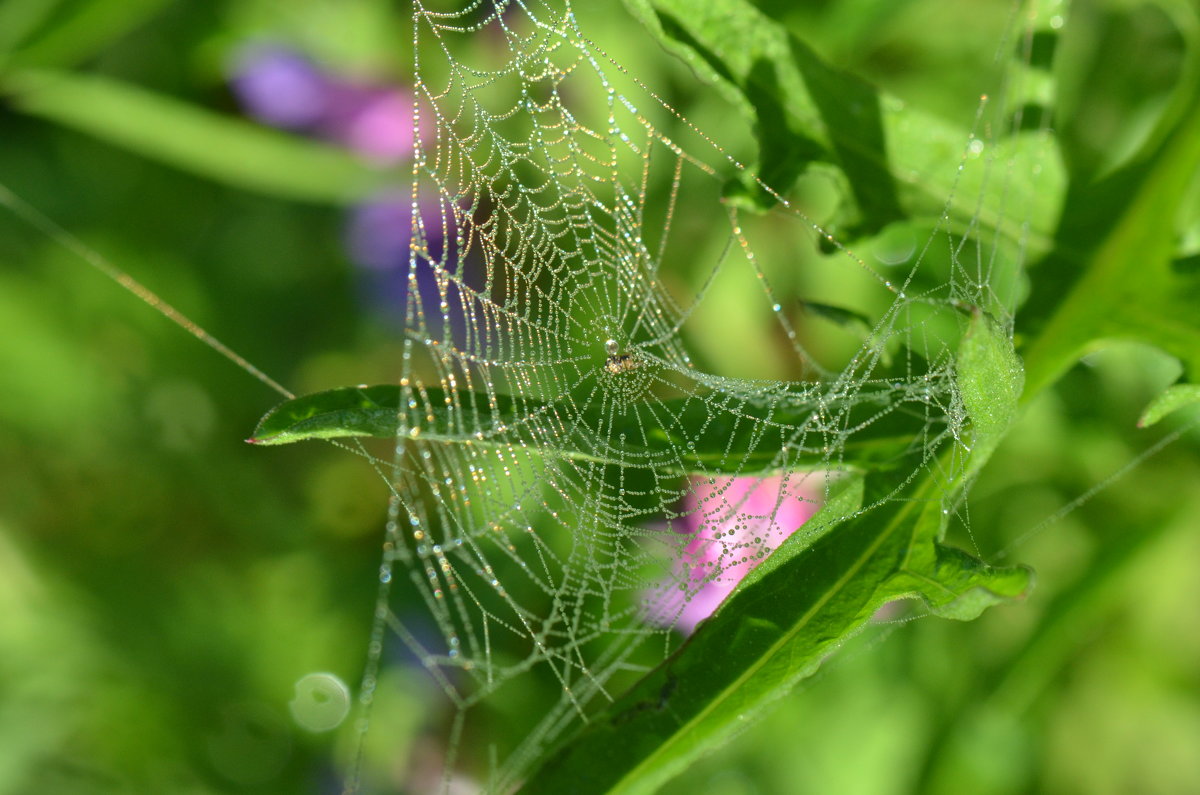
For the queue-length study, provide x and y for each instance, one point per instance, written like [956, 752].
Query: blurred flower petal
[375, 122]
[379, 232]
[280, 87]
[379, 238]
[734, 523]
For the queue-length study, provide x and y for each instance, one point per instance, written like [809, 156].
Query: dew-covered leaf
[990, 381]
[774, 631]
[675, 436]
[185, 136]
[337, 413]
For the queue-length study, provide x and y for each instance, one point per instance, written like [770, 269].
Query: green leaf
[803, 109]
[772, 632]
[1130, 287]
[18, 20]
[1172, 399]
[1067, 627]
[88, 29]
[675, 436]
[337, 413]
[956, 585]
[848, 319]
[990, 380]
[894, 156]
[228, 150]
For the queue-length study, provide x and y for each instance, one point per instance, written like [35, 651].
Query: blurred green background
[163, 586]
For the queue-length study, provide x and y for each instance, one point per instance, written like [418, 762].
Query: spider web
[549, 543]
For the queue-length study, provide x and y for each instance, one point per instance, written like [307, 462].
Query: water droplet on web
[896, 245]
[321, 702]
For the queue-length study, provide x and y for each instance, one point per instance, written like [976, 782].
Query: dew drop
[321, 703]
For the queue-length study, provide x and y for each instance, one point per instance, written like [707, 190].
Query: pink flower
[284, 88]
[734, 523]
[375, 121]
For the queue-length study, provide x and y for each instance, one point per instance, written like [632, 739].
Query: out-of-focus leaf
[848, 319]
[1104, 105]
[18, 20]
[229, 150]
[894, 156]
[1129, 288]
[676, 436]
[1069, 623]
[1172, 399]
[774, 631]
[88, 29]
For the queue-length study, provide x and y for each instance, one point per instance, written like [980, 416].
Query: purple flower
[734, 523]
[281, 87]
[410, 279]
[379, 233]
[379, 237]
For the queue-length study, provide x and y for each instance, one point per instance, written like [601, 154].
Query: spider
[618, 362]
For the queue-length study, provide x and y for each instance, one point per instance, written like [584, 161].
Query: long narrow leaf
[228, 150]
[676, 436]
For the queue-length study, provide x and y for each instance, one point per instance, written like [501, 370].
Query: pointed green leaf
[675, 436]
[338, 413]
[803, 108]
[958, 586]
[1172, 399]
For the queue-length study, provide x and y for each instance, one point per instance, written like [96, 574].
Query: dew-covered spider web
[578, 478]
